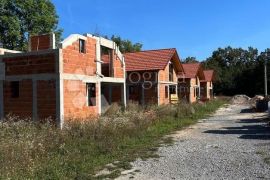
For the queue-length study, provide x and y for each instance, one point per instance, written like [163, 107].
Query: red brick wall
[164, 74]
[118, 68]
[75, 100]
[22, 105]
[193, 95]
[84, 63]
[46, 99]
[31, 64]
[163, 97]
[80, 63]
[40, 42]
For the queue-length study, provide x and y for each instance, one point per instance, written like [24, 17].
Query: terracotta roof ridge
[151, 50]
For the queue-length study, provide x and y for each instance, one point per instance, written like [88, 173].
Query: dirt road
[232, 144]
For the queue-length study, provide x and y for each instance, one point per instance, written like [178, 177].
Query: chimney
[41, 42]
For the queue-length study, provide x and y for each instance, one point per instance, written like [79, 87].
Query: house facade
[152, 76]
[207, 85]
[71, 81]
[189, 84]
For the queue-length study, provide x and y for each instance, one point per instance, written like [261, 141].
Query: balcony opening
[107, 65]
[91, 94]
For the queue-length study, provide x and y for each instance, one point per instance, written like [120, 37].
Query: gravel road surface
[232, 144]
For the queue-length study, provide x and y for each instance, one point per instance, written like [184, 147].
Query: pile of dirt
[253, 101]
[240, 99]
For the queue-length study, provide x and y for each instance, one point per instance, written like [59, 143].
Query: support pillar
[60, 101]
[99, 97]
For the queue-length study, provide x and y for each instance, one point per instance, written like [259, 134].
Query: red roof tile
[191, 69]
[209, 75]
[149, 60]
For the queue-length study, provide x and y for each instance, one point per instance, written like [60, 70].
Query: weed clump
[33, 150]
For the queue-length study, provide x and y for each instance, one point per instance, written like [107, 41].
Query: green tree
[190, 60]
[126, 45]
[235, 70]
[21, 18]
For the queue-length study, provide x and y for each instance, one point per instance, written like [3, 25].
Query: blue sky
[194, 27]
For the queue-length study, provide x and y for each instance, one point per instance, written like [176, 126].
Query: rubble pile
[240, 99]
[253, 101]
[257, 103]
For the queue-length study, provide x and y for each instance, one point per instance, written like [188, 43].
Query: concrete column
[59, 88]
[98, 56]
[60, 101]
[99, 97]
[125, 94]
[1, 100]
[34, 100]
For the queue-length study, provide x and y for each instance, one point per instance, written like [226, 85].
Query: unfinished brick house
[189, 83]
[152, 76]
[67, 82]
[207, 85]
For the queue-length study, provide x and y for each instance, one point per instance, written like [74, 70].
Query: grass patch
[40, 151]
[265, 155]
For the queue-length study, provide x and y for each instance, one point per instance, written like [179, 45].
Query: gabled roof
[192, 69]
[208, 75]
[152, 60]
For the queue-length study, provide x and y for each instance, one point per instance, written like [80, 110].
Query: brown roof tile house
[189, 83]
[152, 75]
[207, 85]
[71, 81]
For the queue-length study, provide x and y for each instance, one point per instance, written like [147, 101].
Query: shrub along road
[232, 144]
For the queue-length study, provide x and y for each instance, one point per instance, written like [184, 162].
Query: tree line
[237, 70]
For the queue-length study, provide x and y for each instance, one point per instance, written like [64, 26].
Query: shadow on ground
[248, 110]
[258, 128]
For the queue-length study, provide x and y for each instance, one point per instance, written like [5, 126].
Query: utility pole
[265, 74]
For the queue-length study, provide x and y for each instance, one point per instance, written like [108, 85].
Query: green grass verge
[34, 151]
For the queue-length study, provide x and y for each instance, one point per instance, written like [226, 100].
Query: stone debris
[253, 101]
[240, 99]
